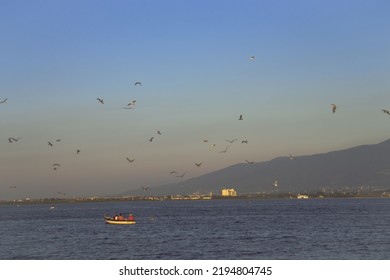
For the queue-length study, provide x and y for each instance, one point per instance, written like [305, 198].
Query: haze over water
[201, 64]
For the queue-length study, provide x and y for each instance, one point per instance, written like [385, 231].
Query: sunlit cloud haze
[193, 60]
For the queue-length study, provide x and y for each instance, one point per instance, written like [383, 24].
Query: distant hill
[366, 165]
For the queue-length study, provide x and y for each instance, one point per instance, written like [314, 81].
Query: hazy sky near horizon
[193, 60]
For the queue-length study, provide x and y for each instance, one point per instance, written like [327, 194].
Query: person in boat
[115, 217]
[121, 218]
[131, 217]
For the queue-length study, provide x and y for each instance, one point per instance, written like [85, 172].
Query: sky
[193, 60]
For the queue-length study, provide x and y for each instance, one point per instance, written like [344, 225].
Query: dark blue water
[186, 230]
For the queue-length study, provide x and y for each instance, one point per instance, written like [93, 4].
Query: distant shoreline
[262, 196]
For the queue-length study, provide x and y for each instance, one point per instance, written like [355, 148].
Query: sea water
[288, 229]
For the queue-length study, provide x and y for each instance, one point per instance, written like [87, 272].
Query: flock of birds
[131, 105]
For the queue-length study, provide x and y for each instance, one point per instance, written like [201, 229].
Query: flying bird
[3, 101]
[291, 156]
[50, 144]
[244, 142]
[386, 111]
[145, 188]
[151, 139]
[78, 151]
[334, 107]
[181, 176]
[249, 162]
[100, 100]
[12, 139]
[173, 172]
[12, 187]
[159, 132]
[55, 166]
[132, 103]
[198, 164]
[275, 183]
[137, 83]
[231, 141]
[240, 118]
[252, 58]
[130, 160]
[224, 151]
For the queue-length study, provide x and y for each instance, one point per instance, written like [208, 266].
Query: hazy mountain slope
[367, 165]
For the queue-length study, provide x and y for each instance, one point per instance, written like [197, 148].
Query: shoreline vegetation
[197, 196]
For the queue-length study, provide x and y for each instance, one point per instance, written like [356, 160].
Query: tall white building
[228, 192]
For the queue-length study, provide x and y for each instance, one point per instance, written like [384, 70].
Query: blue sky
[192, 58]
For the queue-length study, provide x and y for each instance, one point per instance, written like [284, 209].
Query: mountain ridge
[363, 165]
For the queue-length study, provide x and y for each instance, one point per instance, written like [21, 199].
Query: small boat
[112, 221]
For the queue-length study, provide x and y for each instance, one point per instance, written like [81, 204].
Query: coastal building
[228, 192]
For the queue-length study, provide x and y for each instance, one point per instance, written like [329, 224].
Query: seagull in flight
[130, 160]
[12, 139]
[334, 107]
[50, 144]
[224, 151]
[181, 176]
[291, 156]
[173, 172]
[159, 132]
[3, 101]
[145, 188]
[240, 118]
[198, 164]
[78, 151]
[100, 100]
[231, 141]
[244, 142]
[151, 139]
[275, 183]
[252, 58]
[131, 103]
[138, 83]
[55, 166]
[12, 187]
[249, 162]
[386, 111]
